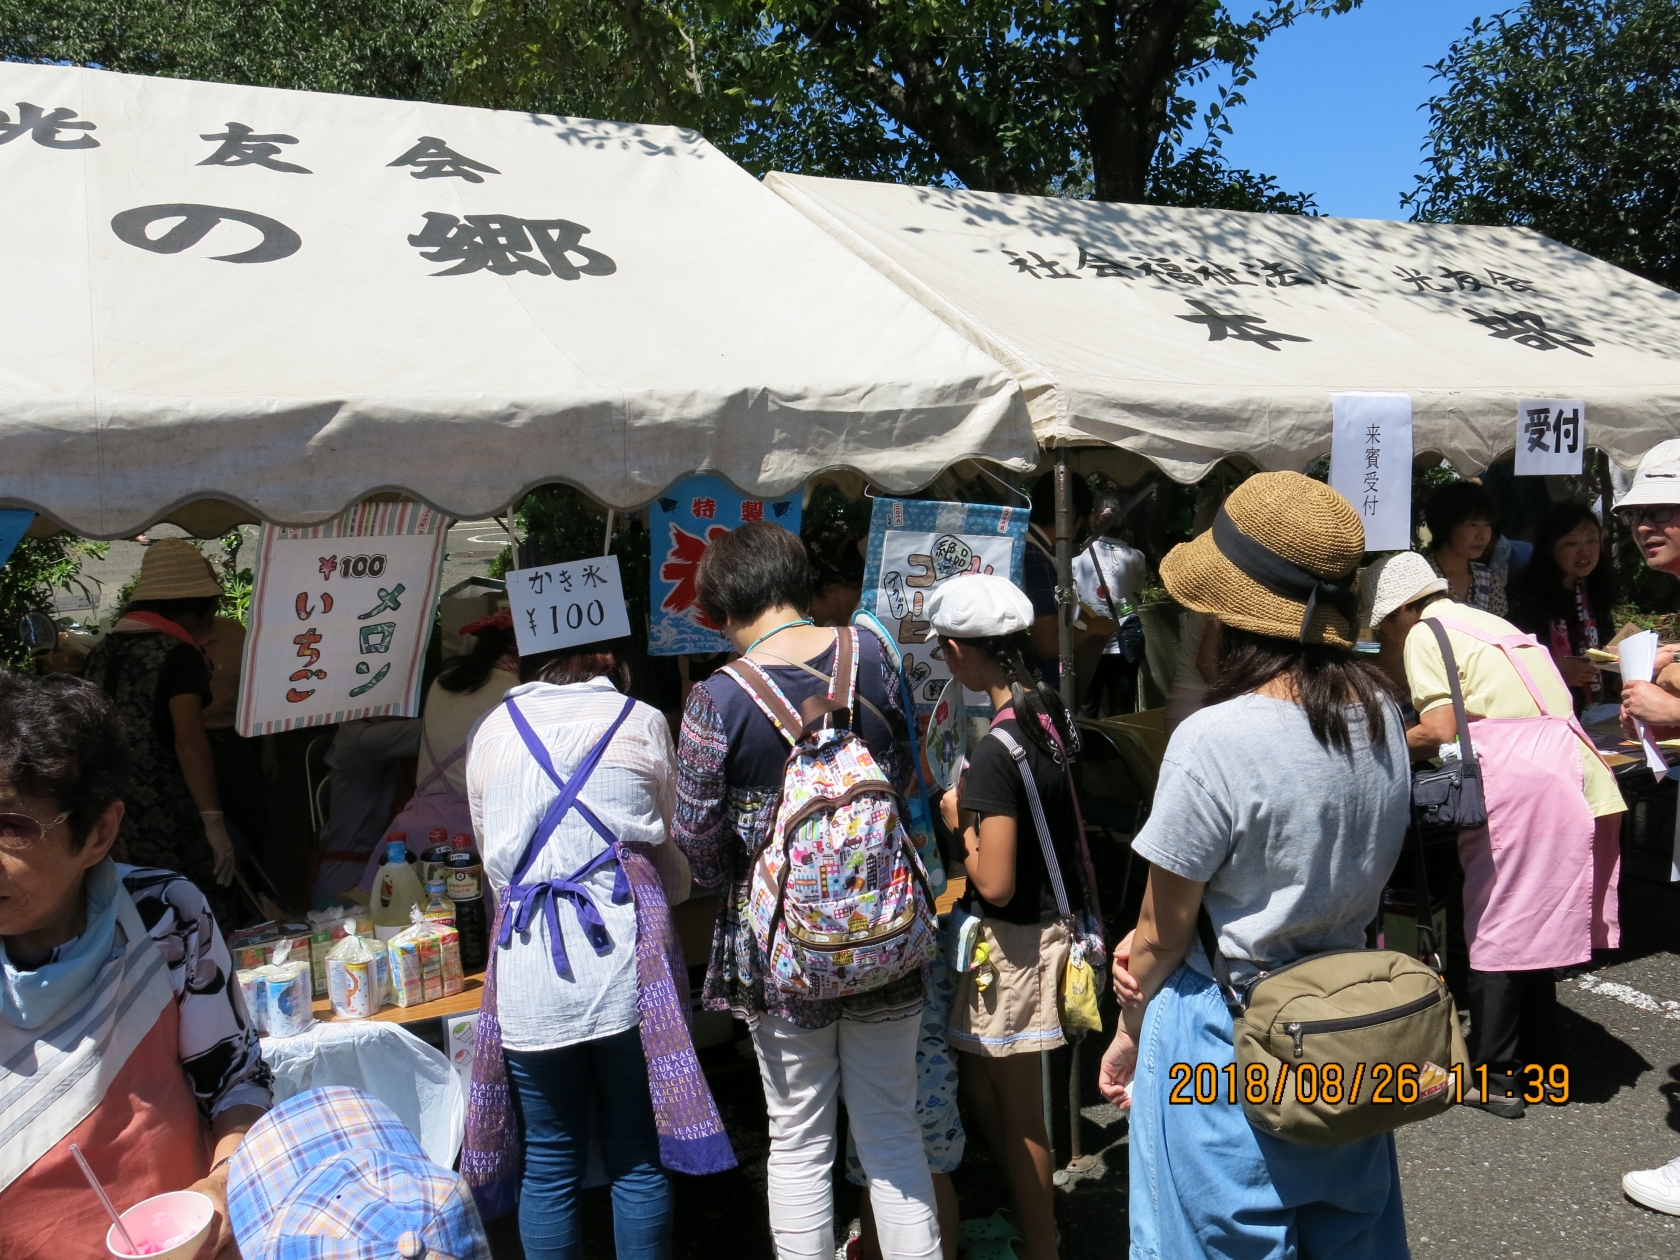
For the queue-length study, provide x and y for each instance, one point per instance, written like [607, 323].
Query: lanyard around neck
[786, 625]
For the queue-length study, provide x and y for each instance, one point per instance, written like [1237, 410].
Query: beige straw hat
[1279, 560]
[174, 569]
[1395, 581]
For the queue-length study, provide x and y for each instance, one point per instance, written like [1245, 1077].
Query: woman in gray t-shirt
[1281, 806]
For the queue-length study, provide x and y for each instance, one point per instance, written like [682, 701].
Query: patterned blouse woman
[119, 1029]
[755, 582]
[1461, 517]
[1564, 599]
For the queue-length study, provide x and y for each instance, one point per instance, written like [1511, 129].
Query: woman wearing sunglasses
[120, 1031]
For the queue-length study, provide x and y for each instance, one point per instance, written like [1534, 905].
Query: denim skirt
[1205, 1182]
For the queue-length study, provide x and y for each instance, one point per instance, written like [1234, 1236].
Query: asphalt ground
[1545, 1187]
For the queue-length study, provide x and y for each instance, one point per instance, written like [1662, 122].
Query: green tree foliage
[1006, 95]
[38, 568]
[397, 48]
[1001, 95]
[1564, 116]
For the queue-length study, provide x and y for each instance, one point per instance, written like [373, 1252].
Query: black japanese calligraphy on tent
[1185, 336]
[261, 303]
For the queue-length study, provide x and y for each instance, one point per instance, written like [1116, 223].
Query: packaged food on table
[407, 979]
[415, 952]
[382, 971]
[287, 992]
[449, 955]
[328, 927]
[255, 993]
[353, 978]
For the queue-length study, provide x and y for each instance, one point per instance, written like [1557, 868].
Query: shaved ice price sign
[563, 605]
[340, 616]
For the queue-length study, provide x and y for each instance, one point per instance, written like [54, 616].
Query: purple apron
[1540, 878]
[691, 1134]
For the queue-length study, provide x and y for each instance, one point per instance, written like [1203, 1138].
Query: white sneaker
[1655, 1188]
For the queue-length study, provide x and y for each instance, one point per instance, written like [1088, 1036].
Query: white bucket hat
[1395, 581]
[977, 606]
[1658, 478]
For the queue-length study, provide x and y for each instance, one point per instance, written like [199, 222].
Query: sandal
[988, 1229]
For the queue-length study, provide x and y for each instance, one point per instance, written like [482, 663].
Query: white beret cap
[977, 606]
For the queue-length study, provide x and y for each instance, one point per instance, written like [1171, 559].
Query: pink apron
[434, 805]
[1540, 878]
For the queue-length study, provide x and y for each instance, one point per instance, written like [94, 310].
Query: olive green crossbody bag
[1344, 1044]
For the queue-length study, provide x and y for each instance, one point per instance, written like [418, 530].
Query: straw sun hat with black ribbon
[1279, 560]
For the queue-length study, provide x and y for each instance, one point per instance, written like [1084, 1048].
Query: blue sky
[1334, 110]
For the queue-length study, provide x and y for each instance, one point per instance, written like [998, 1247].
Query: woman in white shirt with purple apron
[571, 789]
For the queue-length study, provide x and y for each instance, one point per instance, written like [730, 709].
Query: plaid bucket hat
[332, 1174]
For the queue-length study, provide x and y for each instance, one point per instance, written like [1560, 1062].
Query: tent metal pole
[1066, 606]
[1067, 599]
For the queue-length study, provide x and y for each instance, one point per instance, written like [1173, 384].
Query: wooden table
[472, 987]
[472, 992]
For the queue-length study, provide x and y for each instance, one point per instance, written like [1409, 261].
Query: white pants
[803, 1071]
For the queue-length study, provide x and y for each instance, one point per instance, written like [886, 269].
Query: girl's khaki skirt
[1017, 1013]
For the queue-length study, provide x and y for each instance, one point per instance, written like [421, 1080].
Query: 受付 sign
[1371, 464]
[1551, 437]
[562, 605]
[340, 616]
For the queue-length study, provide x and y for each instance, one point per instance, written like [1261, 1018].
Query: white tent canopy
[1189, 335]
[290, 300]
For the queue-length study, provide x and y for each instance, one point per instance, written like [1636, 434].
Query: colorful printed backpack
[839, 900]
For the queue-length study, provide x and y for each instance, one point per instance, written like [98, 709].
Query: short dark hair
[756, 566]
[61, 739]
[1044, 498]
[1449, 506]
[195, 609]
[565, 666]
[466, 674]
[834, 557]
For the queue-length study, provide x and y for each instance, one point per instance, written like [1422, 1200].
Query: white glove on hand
[215, 830]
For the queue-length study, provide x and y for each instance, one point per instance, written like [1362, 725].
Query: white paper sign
[460, 1035]
[1371, 464]
[1637, 655]
[562, 605]
[1551, 437]
[340, 616]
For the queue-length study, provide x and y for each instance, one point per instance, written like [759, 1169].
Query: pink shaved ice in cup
[165, 1227]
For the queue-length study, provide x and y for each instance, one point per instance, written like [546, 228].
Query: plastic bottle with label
[466, 890]
[396, 889]
[434, 861]
[438, 908]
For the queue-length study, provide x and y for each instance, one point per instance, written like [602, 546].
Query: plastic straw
[104, 1199]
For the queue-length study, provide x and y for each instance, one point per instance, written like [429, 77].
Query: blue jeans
[1205, 1182]
[552, 1089]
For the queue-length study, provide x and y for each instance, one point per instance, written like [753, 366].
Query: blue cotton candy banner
[683, 522]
